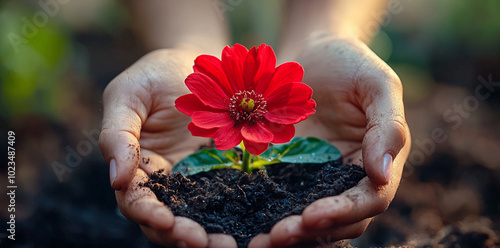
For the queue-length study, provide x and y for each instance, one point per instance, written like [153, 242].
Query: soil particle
[135, 153]
[235, 203]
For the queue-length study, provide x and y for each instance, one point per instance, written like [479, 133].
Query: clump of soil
[235, 203]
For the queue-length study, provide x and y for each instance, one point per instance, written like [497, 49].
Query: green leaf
[299, 150]
[205, 159]
[303, 150]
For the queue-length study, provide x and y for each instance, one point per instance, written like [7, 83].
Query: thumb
[386, 127]
[123, 116]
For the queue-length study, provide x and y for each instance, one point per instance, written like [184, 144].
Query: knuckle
[116, 83]
[102, 141]
[353, 199]
[381, 206]
[103, 136]
[107, 91]
[400, 128]
[393, 78]
[399, 123]
[373, 70]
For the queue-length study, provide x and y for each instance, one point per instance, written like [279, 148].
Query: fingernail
[181, 244]
[387, 167]
[112, 171]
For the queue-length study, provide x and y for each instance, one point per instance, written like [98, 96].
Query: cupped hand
[143, 132]
[359, 110]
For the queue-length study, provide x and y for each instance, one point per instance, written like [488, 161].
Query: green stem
[247, 159]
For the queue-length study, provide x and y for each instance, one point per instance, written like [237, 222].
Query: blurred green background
[51, 82]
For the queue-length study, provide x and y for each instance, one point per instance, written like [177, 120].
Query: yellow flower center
[247, 104]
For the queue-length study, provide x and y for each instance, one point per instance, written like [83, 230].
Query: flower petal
[188, 104]
[198, 131]
[291, 114]
[227, 137]
[208, 91]
[282, 133]
[289, 93]
[290, 72]
[212, 67]
[233, 59]
[256, 132]
[208, 119]
[254, 147]
[259, 68]
[250, 69]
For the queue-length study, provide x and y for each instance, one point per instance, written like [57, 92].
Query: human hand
[359, 110]
[143, 132]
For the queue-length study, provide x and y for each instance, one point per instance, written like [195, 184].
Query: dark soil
[458, 235]
[232, 202]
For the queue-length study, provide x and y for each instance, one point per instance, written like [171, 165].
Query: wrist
[292, 49]
[308, 20]
[198, 48]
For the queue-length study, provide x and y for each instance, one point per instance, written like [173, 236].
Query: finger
[124, 113]
[286, 232]
[221, 241]
[184, 233]
[291, 232]
[336, 236]
[360, 202]
[139, 204]
[151, 162]
[386, 128]
[262, 240]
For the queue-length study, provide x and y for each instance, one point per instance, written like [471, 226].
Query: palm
[340, 118]
[164, 132]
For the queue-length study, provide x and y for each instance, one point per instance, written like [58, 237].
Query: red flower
[245, 97]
